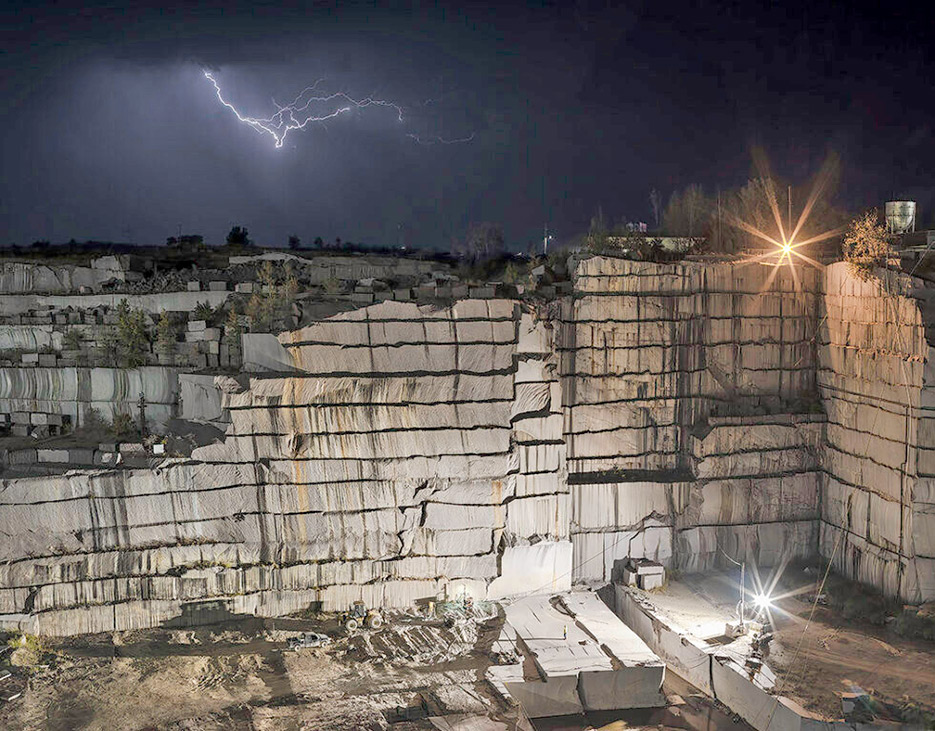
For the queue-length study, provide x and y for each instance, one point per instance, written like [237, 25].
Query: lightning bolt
[437, 140]
[301, 112]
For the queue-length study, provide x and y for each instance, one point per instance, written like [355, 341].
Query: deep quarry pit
[205, 454]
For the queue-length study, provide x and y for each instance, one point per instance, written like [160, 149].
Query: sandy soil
[240, 677]
[837, 655]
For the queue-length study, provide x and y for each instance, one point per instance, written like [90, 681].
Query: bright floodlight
[762, 601]
[787, 248]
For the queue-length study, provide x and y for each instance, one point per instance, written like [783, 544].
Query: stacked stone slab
[684, 388]
[28, 277]
[876, 385]
[73, 392]
[398, 453]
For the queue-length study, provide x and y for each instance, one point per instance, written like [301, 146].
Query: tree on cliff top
[238, 236]
[688, 213]
[867, 244]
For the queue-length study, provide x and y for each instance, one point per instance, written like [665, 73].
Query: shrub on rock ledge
[867, 244]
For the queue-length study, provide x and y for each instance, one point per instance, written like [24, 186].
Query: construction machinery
[359, 616]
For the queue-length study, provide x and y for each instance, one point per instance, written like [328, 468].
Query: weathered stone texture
[874, 378]
[666, 372]
[399, 452]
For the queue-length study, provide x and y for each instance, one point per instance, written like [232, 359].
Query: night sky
[110, 130]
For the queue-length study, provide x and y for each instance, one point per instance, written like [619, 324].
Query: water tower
[900, 216]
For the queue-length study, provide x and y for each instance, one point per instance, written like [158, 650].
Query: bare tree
[655, 200]
[483, 241]
[688, 213]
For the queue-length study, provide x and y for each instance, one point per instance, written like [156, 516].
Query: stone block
[23, 456]
[81, 455]
[37, 418]
[194, 286]
[52, 455]
[217, 286]
[47, 360]
[483, 292]
[30, 359]
[195, 326]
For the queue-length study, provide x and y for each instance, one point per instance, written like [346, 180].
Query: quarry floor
[421, 673]
[819, 657]
[240, 676]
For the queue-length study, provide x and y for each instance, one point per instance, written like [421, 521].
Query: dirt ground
[239, 676]
[838, 654]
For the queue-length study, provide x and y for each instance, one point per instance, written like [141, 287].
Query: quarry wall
[694, 413]
[691, 413]
[876, 380]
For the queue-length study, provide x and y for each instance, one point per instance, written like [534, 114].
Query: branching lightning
[309, 107]
[438, 140]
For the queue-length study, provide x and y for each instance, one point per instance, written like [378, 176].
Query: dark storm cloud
[110, 130]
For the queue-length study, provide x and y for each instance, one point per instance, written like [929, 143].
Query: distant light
[787, 248]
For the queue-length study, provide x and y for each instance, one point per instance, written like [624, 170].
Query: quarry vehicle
[309, 639]
[358, 615]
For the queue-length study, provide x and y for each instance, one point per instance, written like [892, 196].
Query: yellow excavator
[359, 616]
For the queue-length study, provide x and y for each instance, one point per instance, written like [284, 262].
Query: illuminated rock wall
[876, 383]
[398, 453]
[691, 413]
[402, 454]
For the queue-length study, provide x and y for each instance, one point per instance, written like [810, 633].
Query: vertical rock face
[388, 454]
[397, 453]
[878, 508]
[688, 396]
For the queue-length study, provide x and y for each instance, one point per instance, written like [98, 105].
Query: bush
[270, 305]
[867, 244]
[915, 623]
[73, 339]
[203, 311]
[232, 328]
[27, 650]
[133, 342]
[123, 425]
[166, 333]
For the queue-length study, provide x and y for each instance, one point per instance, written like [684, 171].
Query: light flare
[786, 245]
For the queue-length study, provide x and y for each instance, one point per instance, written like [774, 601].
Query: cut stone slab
[585, 658]
[636, 681]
